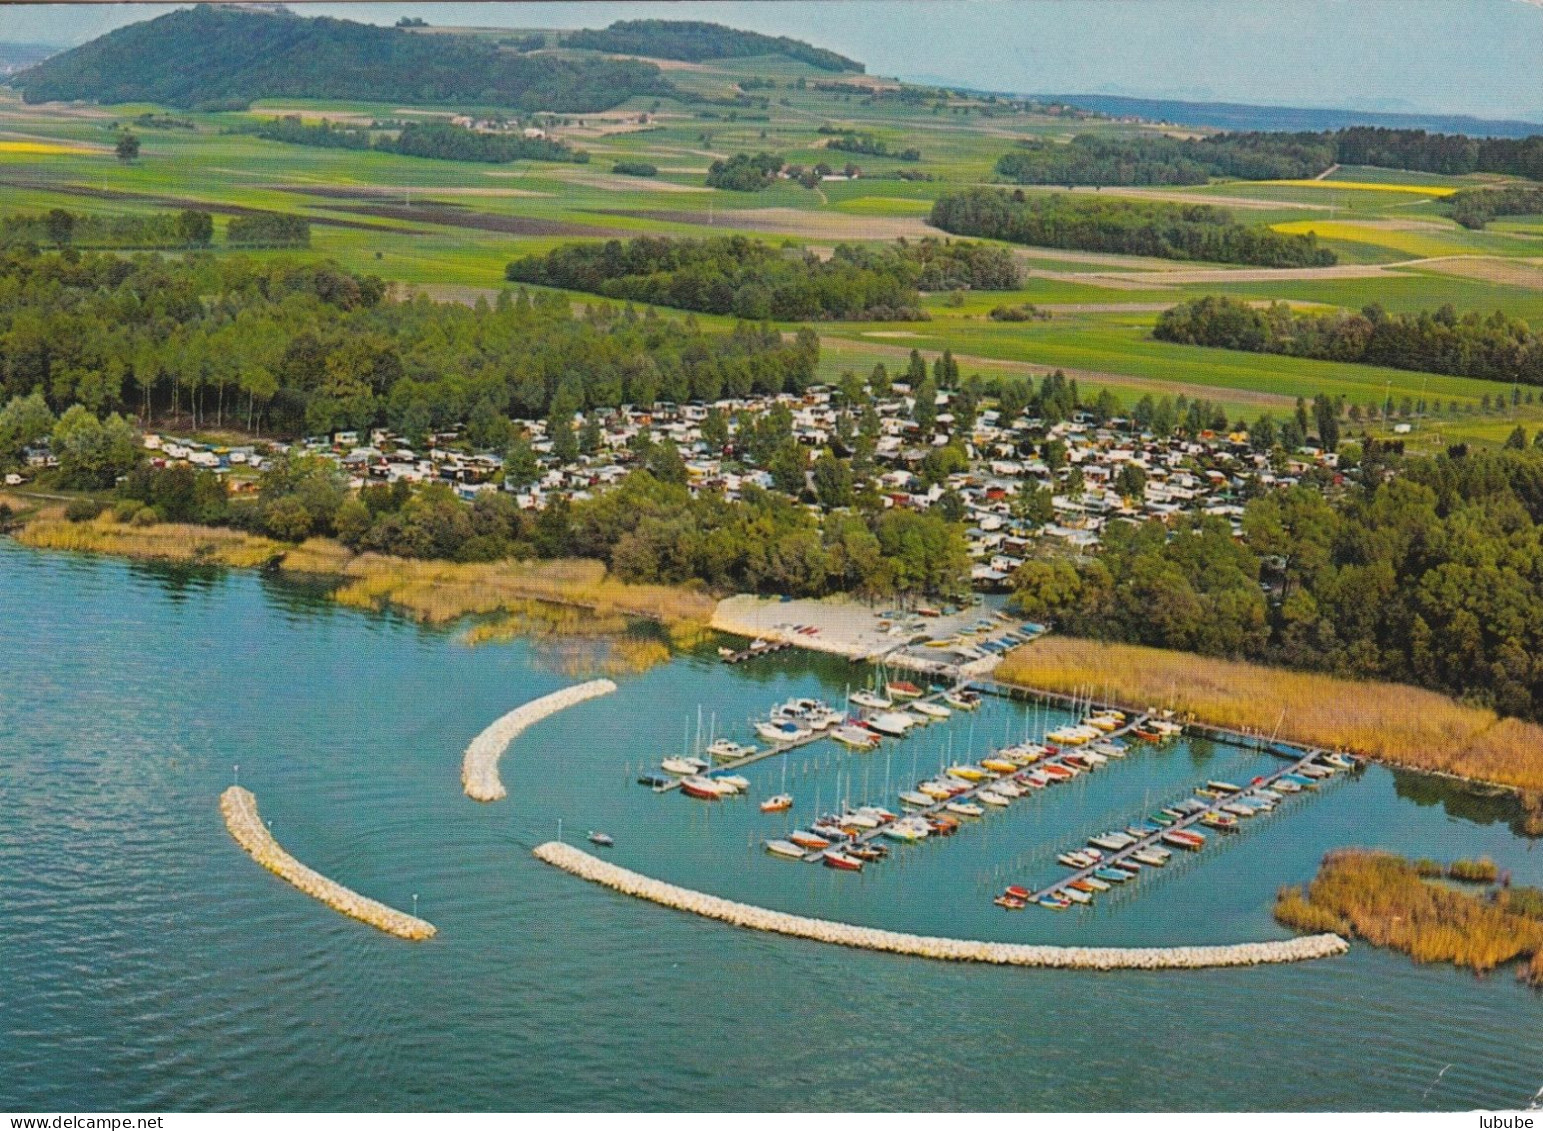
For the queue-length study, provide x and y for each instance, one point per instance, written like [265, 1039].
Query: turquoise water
[146, 962]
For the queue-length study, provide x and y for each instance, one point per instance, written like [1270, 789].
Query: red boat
[836, 859]
[1019, 892]
[943, 826]
[1056, 770]
[700, 792]
[808, 840]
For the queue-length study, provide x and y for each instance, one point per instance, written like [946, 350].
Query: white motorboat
[870, 700]
[683, 766]
[991, 797]
[726, 751]
[931, 710]
[892, 723]
[784, 730]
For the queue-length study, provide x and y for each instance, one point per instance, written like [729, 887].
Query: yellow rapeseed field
[1368, 186]
[43, 149]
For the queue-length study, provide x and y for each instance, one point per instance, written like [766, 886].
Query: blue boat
[1112, 875]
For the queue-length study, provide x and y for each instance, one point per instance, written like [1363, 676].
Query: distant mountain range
[1239, 116]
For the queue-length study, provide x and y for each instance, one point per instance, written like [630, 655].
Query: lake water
[146, 962]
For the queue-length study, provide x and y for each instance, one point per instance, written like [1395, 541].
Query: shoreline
[587, 867]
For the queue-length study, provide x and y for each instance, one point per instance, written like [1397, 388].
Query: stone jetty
[239, 808]
[479, 767]
[588, 867]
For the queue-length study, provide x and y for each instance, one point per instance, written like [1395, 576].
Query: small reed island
[587, 867]
[479, 766]
[239, 808]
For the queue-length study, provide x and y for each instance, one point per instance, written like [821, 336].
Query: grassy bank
[1384, 900]
[430, 591]
[1406, 726]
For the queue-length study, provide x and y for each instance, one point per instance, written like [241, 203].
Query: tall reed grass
[1407, 726]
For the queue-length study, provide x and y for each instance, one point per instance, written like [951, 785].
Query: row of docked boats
[1119, 855]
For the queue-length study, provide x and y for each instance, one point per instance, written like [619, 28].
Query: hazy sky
[1482, 57]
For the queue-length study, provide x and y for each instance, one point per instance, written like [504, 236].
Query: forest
[1260, 156]
[1431, 576]
[694, 41]
[744, 172]
[443, 141]
[847, 141]
[227, 57]
[275, 346]
[59, 227]
[1473, 208]
[750, 279]
[1167, 231]
[1496, 346]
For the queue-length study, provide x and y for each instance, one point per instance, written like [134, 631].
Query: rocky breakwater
[479, 766]
[582, 864]
[239, 808]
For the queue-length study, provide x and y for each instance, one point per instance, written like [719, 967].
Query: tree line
[693, 41]
[1495, 346]
[1473, 208]
[443, 141]
[744, 172]
[750, 279]
[1154, 228]
[60, 228]
[308, 348]
[850, 141]
[1089, 159]
[1432, 575]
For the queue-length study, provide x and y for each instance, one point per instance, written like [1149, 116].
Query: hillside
[216, 56]
[693, 41]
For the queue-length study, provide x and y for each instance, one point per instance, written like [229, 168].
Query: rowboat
[834, 858]
[931, 710]
[965, 809]
[918, 799]
[778, 803]
[991, 797]
[808, 840]
[785, 848]
[870, 700]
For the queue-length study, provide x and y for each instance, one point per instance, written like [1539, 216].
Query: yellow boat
[932, 789]
[1000, 765]
[969, 773]
[1104, 723]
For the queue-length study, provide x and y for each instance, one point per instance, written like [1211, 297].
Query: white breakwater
[239, 808]
[479, 767]
[582, 864]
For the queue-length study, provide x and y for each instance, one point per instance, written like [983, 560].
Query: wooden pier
[814, 856]
[1182, 823]
[751, 653]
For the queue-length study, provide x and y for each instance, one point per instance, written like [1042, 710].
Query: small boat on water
[903, 832]
[918, 799]
[962, 700]
[999, 765]
[860, 820]
[683, 766]
[808, 840]
[784, 730]
[903, 689]
[931, 710]
[870, 700]
[943, 826]
[965, 809]
[1074, 859]
[1224, 787]
[992, 797]
[1226, 822]
[777, 803]
[834, 858]
[893, 724]
[785, 848]
[725, 751]
[1210, 794]
[1112, 841]
[935, 790]
[1093, 883]
[1059, 771]
[734, 781]
[879, 813]
[604, 840]
[1010, 903]
[655, 781]
[969, 773]
[1008, 788]
[1185, 838]
[1055, 903]
[1164, 818]
[1152, 857]
[1238, 809]
[1112, 875]
[1287, 785]
[858, 738]
[1074, 895]
[703, 789]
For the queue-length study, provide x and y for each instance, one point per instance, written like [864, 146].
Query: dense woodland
[748, 278]
[1494, 346]
[1093, 160]
[1432, 576]
[850, 141]
[1473, 208]
[225, 57]
[308, 348]
[1168, 231]
[744, 172]
[441, 140]
[694, 41]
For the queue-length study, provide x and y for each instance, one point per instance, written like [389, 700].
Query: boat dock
[941, 806]
[1185, 822]
[751, 653]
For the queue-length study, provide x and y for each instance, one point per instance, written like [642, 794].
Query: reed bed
[1407, 726]
[1383, 899]
[166, 541]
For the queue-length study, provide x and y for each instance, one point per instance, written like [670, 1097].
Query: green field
[450, 227]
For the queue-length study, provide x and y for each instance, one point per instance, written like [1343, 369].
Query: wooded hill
[693, 41]
[225, 57]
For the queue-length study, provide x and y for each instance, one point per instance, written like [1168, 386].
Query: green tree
[521, 467]
[1131, 482]
[92, 453]
[23, 422]
[925, 411]
[1517, 440]
[565, 445]
[127, 149]
[715, 430]
[832, 481]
